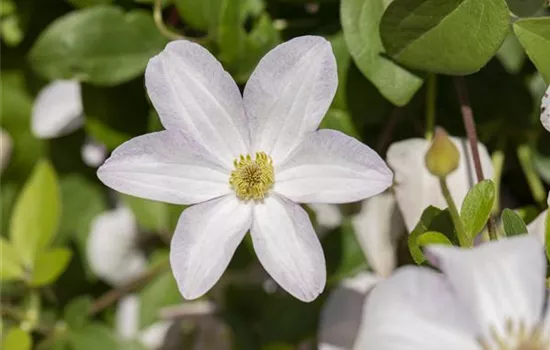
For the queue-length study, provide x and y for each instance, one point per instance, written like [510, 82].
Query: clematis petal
[327, 216]
[192, 92]
[127, 317]
[206, 237]
[112, 247]
[342, 313]
[500, 281]
[415, 309]
[289, 93]
[545, 110]
[415, 188]
[378, 226]
[288, 248]
[537, 227]
[167, 166]
[153, 337]
[57, 110]
[331, 167]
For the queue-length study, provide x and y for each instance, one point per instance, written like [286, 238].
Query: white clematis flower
[112, 250]
[489, 297]
[538, 226]
[245, 161]
[58, 110]
[6, 146]
[545, 110]
[416, 189]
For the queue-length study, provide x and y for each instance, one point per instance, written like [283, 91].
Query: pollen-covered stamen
[516, 337]
[252, 178]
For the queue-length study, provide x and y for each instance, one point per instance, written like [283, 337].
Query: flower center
[516, 337]
[252, 178]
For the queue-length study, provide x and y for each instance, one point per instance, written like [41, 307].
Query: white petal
[289, 93]
[416, 189]
[331, 167]
[127, 317]
[288, 248]
[6, 145]
[111, 249]
[191, 92]
[57, 110]
[500, 281]
[415, 309]
[342, 313]
[545, 110]
[537, 227]
[153, 336]
[167, 166]
[378, 226]
[205, 240]
[328, 216]
[93, 153]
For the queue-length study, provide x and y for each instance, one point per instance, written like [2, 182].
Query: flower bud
[442, 157]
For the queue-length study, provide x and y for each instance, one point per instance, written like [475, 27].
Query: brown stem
[113, 295]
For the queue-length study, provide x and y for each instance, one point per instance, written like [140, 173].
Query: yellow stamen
[252, 178]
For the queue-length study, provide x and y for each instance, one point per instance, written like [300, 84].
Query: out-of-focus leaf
[542, 165]
[10, 264]
[7, 198]
[36, 214]
[161, 292]
[343, 60]
[360, 22]
[102, 45]
[76, 313]
[151, 215]
[94, 336]
[49, 266]
[511, 54]
[534, 35]
[512, 223]
[11, 31]
[524, 8]
[423, 34]
[351, 258]
[107, 136]
[477, 206]
[202, 15]
[432, 237]
[339, 119]
[16, 339]
[88, 3]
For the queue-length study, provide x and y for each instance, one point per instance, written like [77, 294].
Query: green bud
[443, 157]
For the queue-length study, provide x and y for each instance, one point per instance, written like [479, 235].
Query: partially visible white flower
[328, 216]
[537, 227]
[93, 153]
[112, 247]
[416, 189]
[58, 109]
[488, 297]
[127, 324]
[545, 110]
[245, 162]
[6, 145]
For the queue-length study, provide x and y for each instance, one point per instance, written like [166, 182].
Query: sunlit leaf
[16, 339]
[49, 266]
[534, 35]
[10, 264]
[477, 206]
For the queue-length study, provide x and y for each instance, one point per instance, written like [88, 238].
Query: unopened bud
[442, 157]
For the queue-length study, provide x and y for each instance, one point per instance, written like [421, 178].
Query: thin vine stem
[159, 22]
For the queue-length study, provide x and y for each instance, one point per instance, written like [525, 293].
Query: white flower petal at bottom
[415, 309]
[537, 227]
[127, 316]
[204, 242]
[501, 281]
[288, 248]
[331, 167]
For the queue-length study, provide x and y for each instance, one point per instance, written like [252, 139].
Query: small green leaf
[424, 223]
[16, 339]
[35, 215]
[76, 313]
[455, 37]
[202, 15]
[10, 264]
[433, 237]
[360, 23]
[122, 45]
[49, 266]
[477, 206]
[513, 224]
[534, 36]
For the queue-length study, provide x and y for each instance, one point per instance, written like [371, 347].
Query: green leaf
[512, 223]
[524, 8]
[534, 35]
[202, 15]
[35, 215]
[49, 266]
[511, 54]
[76, 313]
[16, 339]
[94, 336]
[10, 264]
[122, 45]
[161, 292]
[339, 119]
[360, 23]
[343, 60]
[477, 206]
[428, 219]
[151, 215]
[455, 37]
[433, 237]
